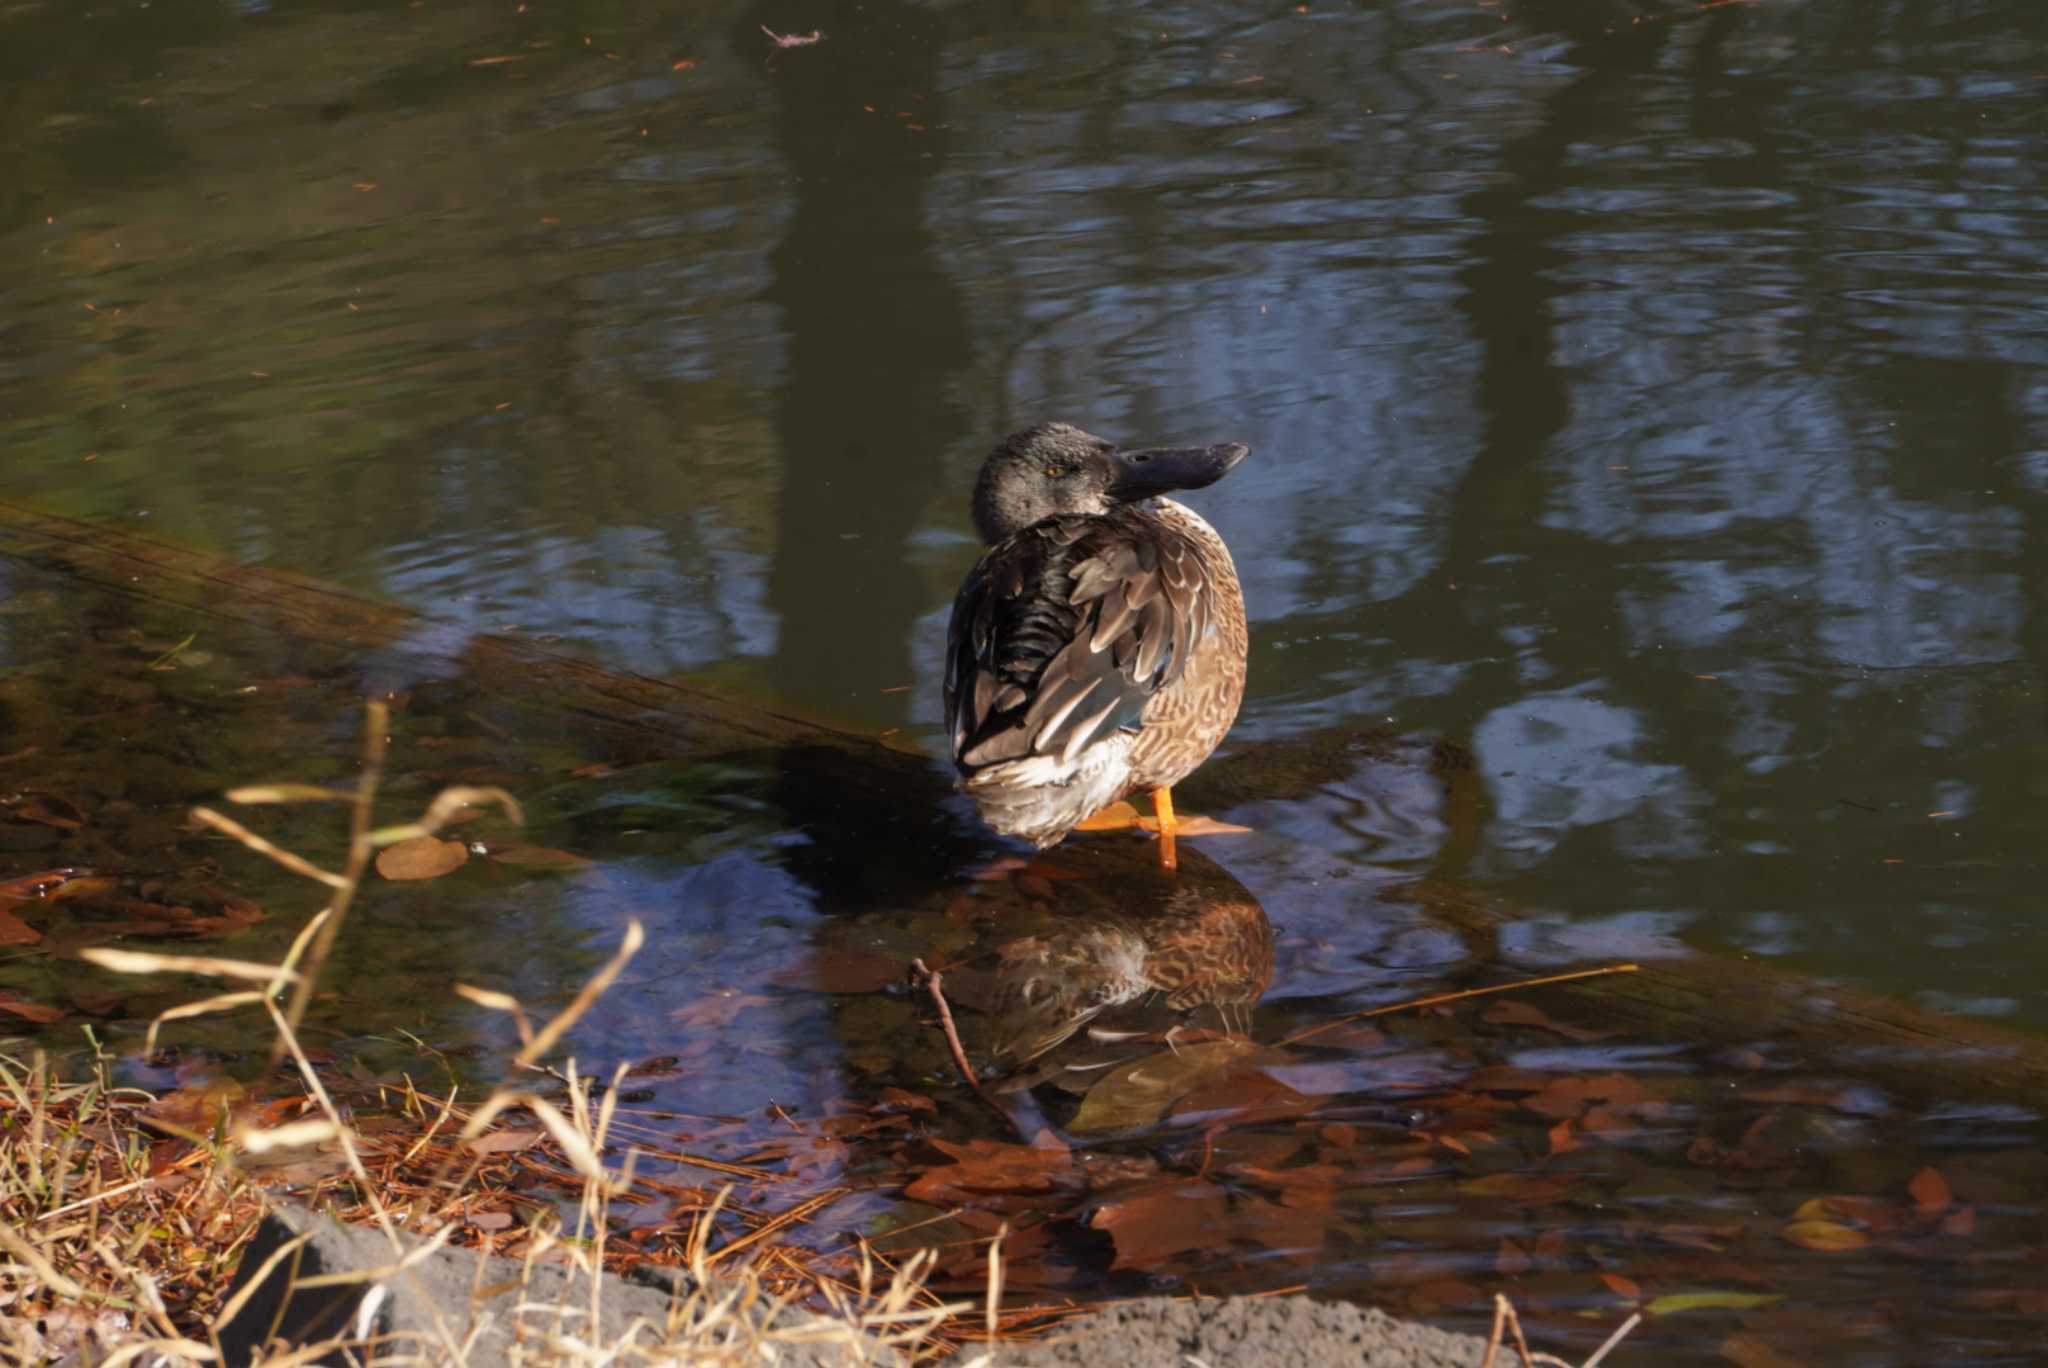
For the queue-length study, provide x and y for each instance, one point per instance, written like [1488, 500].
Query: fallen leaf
[423, 857]
[986, 1168]
[1514, 1013]
[1829, 1237]
[1604, 1122]
[1339, 1134]
[1751, 1351]
[1296, 1226]
[13, 930]
[50, 810]
[1141, 1091]
[41, 1013]
[1622, 1287]
[1246, 1097]
[504, 1142]
[1151, 1228]
[491, 1220]
[1930, 1191]
[538, 857]
[1803, 1095]
[1570, 1096]
[233, 906]
[716, 1008]
[42, 884]
[194, 1110]
[1673, 1302]
[899, 1100]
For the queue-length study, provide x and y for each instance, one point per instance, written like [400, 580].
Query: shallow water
[1653, 401]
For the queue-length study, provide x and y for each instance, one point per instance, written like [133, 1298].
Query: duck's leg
[1162, 807]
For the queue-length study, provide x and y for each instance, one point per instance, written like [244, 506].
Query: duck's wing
[1066, 630]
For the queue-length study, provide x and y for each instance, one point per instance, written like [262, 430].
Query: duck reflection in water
[1092, 957]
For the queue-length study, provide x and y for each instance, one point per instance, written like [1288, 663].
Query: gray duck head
[1056, 468]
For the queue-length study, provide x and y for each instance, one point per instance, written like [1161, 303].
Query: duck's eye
[1057, 472]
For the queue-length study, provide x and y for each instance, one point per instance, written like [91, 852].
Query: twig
[1631, 1323]
[801, 1211]
[759, 1175]
[1504, 1318]
[1459, 996]
[377, 717]
[933, 982]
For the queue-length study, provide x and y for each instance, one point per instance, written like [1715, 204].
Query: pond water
[1651, 401]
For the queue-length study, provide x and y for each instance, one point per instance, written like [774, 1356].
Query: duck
[1155, 956]
[1098, 647]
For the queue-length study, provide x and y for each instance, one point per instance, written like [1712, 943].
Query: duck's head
[1057, 468]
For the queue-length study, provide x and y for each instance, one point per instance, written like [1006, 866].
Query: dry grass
[117, 1240]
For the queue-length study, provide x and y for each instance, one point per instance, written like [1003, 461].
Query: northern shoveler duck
[1197, 946]
[1099, 646]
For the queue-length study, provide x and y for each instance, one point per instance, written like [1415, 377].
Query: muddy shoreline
[497, 1308]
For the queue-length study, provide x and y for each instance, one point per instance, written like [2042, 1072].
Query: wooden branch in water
[864, 785]
[933, 983]
[1745, 1003]
[660, 716]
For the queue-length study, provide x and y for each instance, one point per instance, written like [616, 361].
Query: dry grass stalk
[1505, 1319]
[104, 1221]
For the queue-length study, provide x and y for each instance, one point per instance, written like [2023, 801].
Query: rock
[1248, 1332]
[486, 1303]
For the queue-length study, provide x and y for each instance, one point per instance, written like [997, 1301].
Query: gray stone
[493, 1307]
[1248, 1332]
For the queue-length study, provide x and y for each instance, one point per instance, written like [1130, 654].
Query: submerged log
[1744, 1003]
[647, 716]
[882, 805]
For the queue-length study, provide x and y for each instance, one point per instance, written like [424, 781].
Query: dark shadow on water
[877, 332]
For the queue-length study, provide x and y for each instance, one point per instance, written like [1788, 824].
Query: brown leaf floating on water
[1829, 1237]
[985, 1168]
[1571, 1096]
[13, 930]
[1151, 1228]
[51, 810]
[1513, 1012]
[423, 857]
[716, 1008]
[1930, 1191]
[504, 1142]
[12, 1004]
[197, 1108]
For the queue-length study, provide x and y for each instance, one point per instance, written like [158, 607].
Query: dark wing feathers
[1064, 632]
